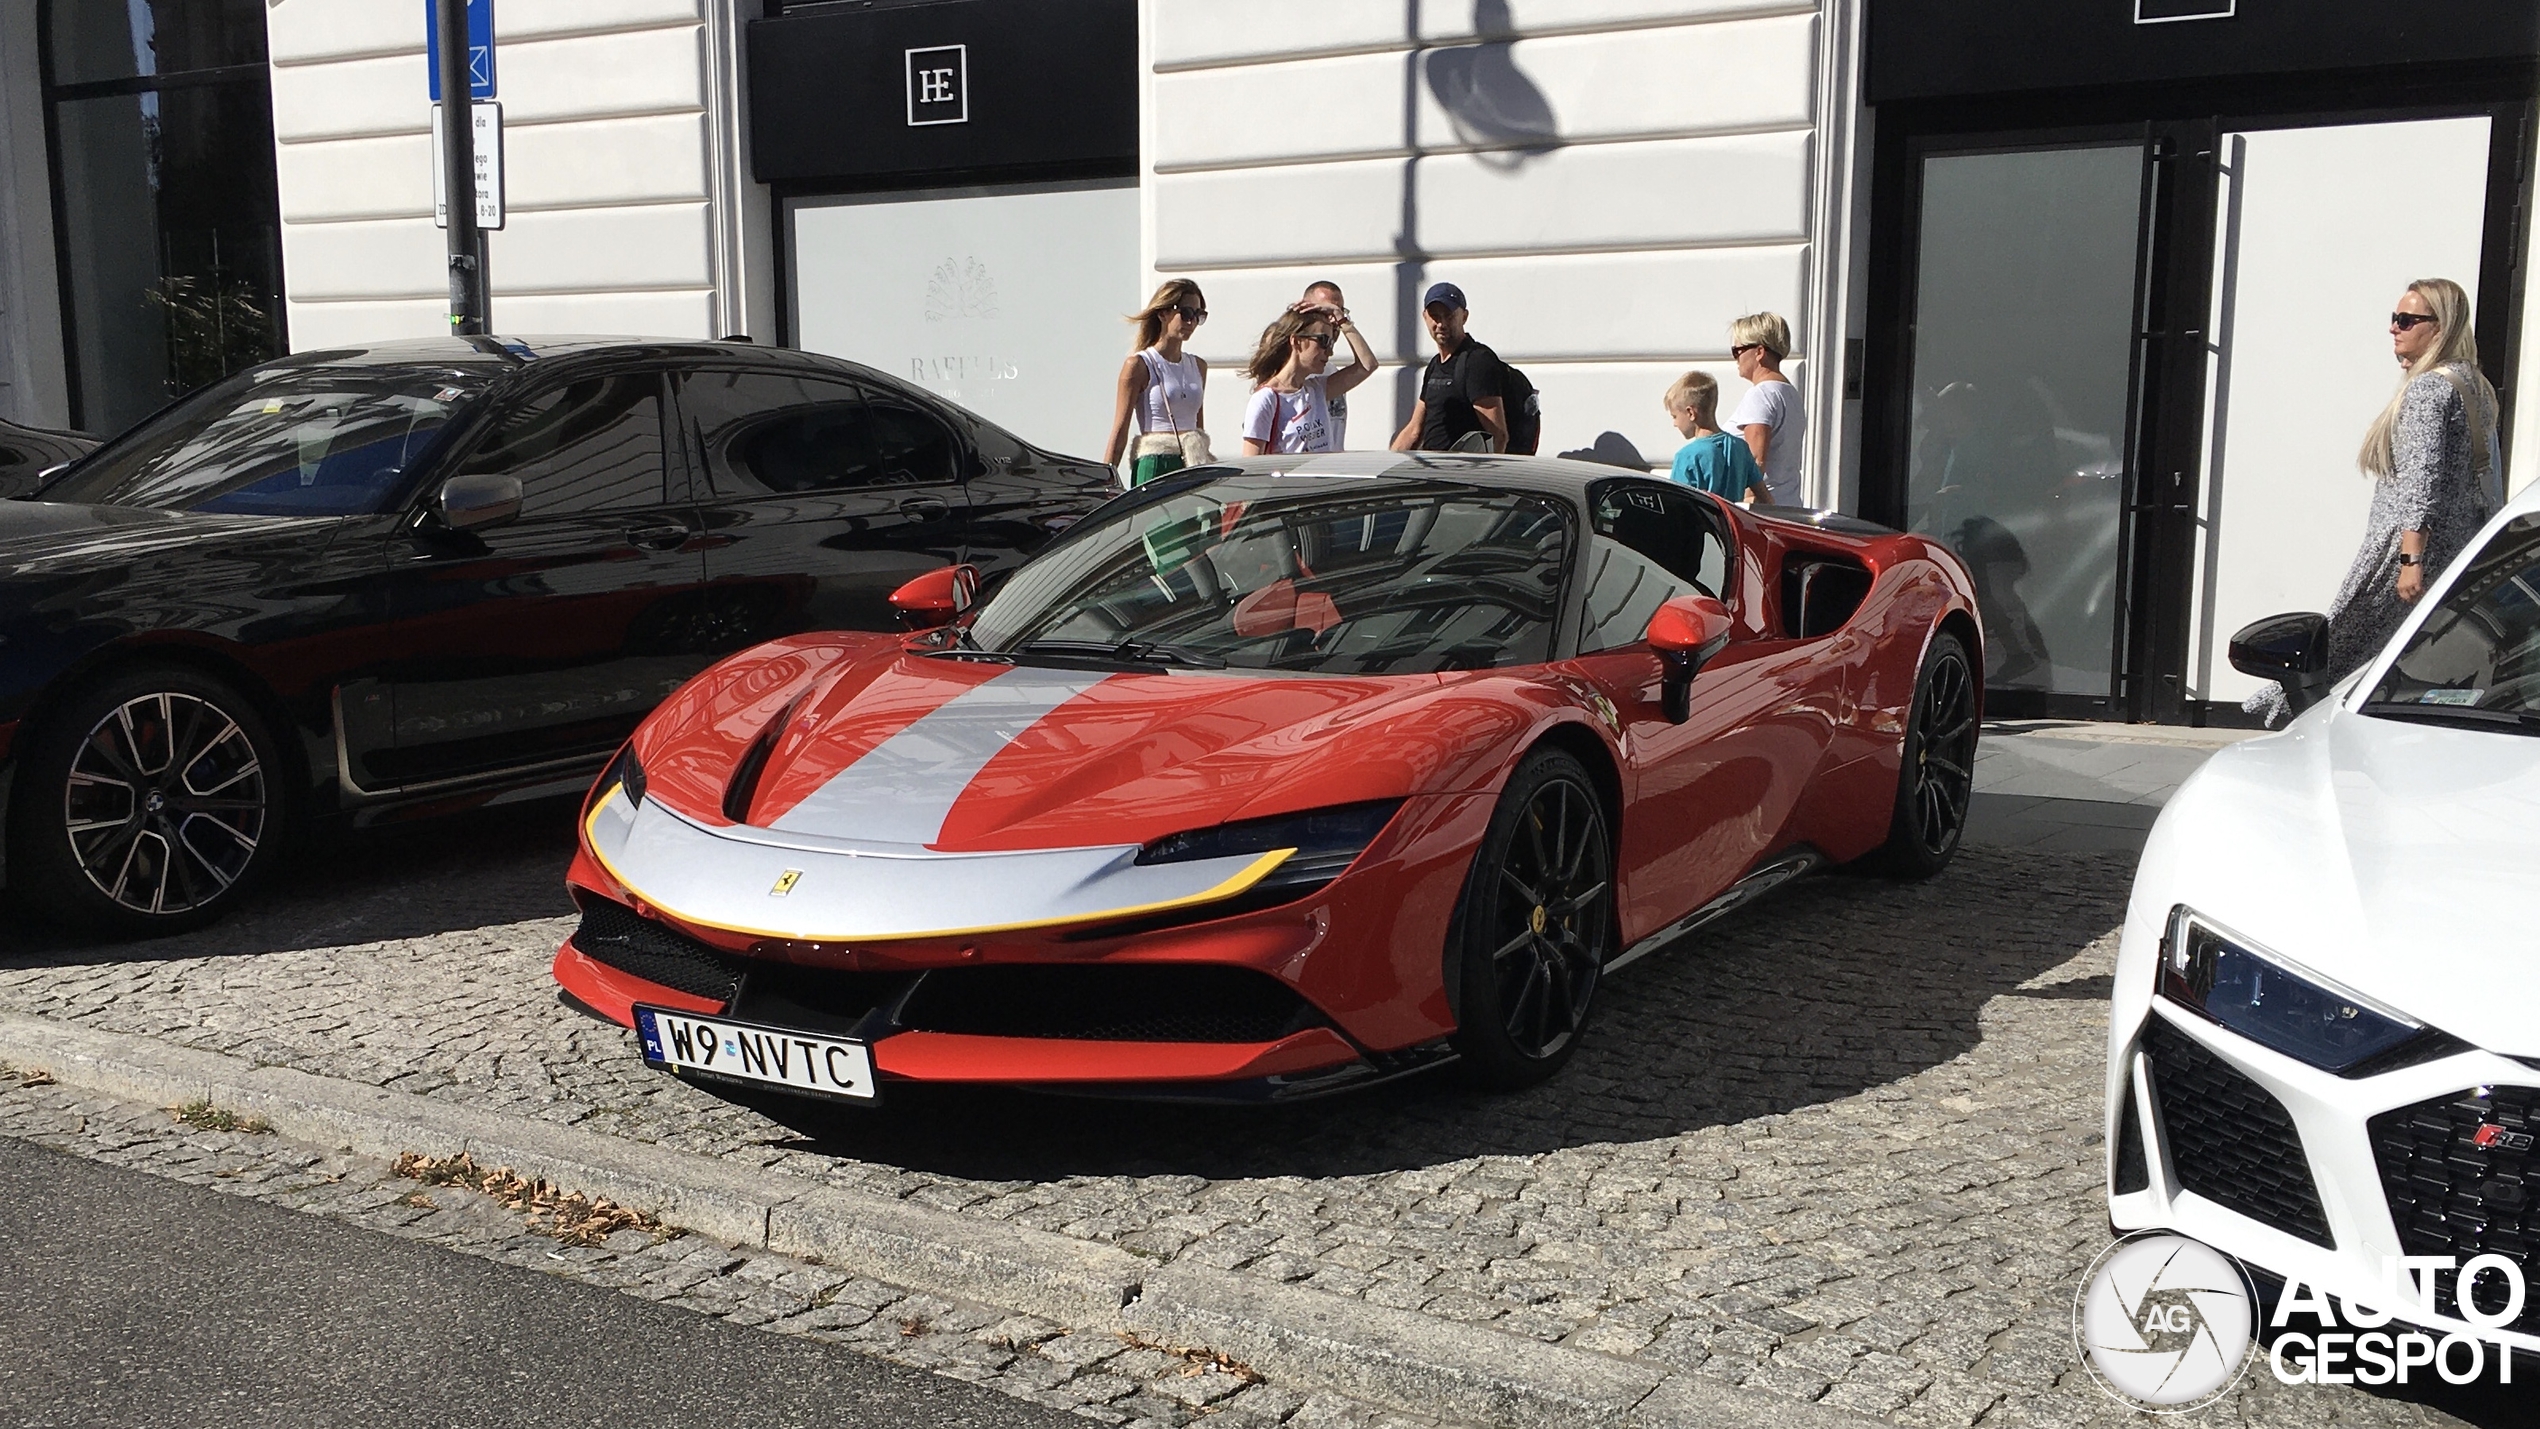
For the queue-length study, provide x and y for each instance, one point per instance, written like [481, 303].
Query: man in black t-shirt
[1460, 406]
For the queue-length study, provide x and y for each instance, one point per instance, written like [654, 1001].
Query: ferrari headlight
[1326, 841]
[2267, 1000]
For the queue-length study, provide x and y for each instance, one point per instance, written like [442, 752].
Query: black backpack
[1525, 411]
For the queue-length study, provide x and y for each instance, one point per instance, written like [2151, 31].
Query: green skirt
[1148, 468]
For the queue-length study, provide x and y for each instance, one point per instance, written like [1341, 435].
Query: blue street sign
[480, 48]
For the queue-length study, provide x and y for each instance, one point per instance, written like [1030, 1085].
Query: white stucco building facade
[2098, 298]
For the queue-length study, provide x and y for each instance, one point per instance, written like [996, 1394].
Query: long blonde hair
[1150, 319]
[2457, 343]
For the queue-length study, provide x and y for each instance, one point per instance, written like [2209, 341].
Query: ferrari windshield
[2476, 659]
[1323, 574]
[279, 441]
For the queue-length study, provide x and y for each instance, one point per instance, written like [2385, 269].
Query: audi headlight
[1326, 841]
[2276, 1004]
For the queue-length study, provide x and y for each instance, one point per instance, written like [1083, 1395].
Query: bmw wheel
[145, 804]
[1535, 927]
[1935, 783]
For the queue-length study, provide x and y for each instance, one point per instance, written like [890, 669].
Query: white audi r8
[2324, 1049]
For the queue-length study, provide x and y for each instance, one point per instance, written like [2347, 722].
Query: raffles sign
[939, 85]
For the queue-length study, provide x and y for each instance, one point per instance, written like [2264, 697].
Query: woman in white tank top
[1162, 389]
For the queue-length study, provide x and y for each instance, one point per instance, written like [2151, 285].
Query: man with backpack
[1470, 401]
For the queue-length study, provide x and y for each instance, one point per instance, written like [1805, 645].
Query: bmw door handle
[925, 508]
[664, 537]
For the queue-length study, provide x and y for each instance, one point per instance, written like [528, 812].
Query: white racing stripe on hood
[903, 789]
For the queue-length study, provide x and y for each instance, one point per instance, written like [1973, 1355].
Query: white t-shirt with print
[1776, 405]
[1299, 421]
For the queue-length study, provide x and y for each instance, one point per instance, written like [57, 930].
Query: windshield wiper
[2459, 716]
[1136, 652]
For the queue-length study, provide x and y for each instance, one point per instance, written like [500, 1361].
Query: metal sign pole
[458, 173]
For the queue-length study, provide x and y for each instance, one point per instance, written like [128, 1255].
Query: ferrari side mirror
[2291, 650]
[938, 597]
[484, 499]
[1686, 632]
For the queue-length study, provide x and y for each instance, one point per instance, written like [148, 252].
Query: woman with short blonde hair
[2437, 471]
[1162, 389]
[1771, 417]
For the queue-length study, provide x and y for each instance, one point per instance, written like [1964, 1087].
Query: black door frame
[2179, 126]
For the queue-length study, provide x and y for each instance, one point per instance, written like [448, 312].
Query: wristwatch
[2407, 560]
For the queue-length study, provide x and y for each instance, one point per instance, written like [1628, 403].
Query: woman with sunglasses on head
[1162, 388]
[1290, 409]
[2437, 473]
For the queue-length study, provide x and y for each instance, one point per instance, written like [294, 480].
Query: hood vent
[738, 795]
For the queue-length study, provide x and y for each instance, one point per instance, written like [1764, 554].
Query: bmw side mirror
[1686, 632]
[2291, 650]
[467, 503]
[938, 597]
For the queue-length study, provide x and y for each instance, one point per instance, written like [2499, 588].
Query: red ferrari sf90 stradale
[1274, 777]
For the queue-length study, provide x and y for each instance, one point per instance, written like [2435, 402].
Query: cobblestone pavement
[1104, 1378]
[1843, 1146]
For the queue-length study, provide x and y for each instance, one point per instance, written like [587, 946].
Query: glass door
[2022, 379]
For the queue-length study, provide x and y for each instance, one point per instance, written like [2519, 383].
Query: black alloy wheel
[1935, 784]
[1535, 927]
[145, 804]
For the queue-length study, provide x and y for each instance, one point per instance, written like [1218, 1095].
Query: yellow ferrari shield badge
[785, 882]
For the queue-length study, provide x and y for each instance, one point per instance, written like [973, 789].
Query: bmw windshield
[2475, 662]
[1325, 575]
[280, 440]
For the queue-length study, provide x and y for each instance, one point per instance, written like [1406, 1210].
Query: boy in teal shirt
[1712, 460]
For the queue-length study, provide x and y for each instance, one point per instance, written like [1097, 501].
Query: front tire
[146, 804]
[1535, 927]
[1935, 780]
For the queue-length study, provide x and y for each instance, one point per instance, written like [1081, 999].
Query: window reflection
[169, 215]
[2022, 361]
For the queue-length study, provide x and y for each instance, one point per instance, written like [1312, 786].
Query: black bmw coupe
[420, 576]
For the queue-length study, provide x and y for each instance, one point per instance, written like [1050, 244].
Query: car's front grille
[614, 934]
[1102, 1002]
[2230, 1140]
[2451, 1195]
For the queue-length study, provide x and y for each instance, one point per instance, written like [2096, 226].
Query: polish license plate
[803, 1061]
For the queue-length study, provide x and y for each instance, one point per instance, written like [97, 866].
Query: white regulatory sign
[488, 117]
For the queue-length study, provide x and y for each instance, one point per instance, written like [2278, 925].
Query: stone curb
[1396, 1358]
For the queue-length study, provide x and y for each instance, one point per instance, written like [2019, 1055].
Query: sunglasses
[1193, 316]
[2406, 322]
[1743, 348]
[1319, 339]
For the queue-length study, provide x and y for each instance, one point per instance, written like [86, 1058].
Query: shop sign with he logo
[939, 85]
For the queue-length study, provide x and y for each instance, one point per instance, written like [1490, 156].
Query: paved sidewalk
[1842, 1147]
[2074, 787]
[1105, 1378]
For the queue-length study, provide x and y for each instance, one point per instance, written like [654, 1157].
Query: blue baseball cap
[1446, 293]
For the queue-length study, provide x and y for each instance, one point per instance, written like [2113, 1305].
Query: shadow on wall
[1487, 98]
[1491, 104]
[1610, 449]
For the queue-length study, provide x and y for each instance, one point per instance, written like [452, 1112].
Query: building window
[161, 122]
